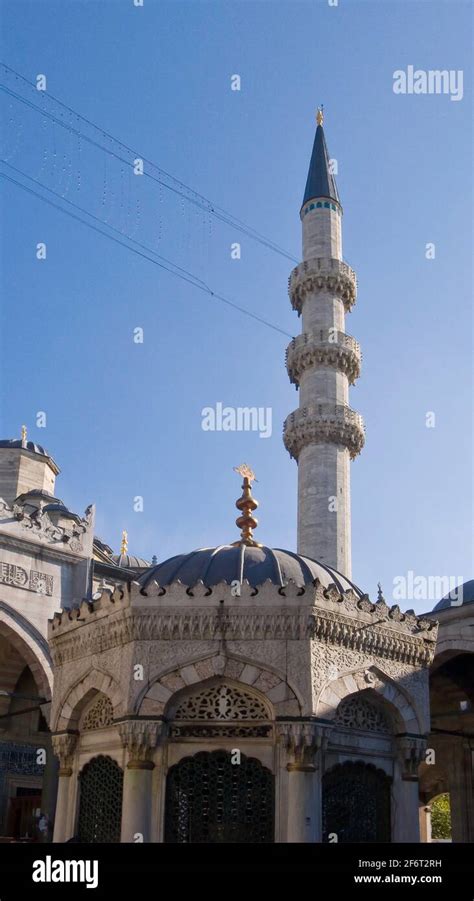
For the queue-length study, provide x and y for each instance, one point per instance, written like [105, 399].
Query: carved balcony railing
[324, 423]
[329, 348]
[322, 274]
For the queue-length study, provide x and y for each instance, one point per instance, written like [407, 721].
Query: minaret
[323, 434]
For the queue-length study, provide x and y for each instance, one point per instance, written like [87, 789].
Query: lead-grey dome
[228, 563]
[29, 445]
[129, 561]
[466, 591]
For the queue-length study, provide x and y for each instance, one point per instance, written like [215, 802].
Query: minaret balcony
[324, 424]
[322, 274]
[323, 348]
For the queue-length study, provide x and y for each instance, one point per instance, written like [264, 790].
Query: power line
[197, 281]
[182, 274]
[199, 199]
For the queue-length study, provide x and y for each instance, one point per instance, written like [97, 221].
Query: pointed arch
[360, 680]
[155, 697]
[81, 693]
[31, 646]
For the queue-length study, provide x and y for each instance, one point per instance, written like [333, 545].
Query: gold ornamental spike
[246, 522]
[320, 115]
[124, 544]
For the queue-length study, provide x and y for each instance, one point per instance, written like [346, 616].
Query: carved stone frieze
[245, 624]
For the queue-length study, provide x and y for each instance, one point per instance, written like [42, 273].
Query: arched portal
[210, 799]
[356, 803]
[100, 801]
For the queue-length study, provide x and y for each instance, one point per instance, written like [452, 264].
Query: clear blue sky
[125, 419]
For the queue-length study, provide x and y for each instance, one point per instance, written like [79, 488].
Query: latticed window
[356, 803]
[355, 712]
[100, 714]
[100, 801]
[210, 800]
[223, 710]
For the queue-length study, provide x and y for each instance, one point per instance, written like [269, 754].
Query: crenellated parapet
[267, 612]
[324, 347]
[324, 423]
[322, 274]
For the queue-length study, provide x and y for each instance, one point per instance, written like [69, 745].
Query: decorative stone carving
[13, 575]
[17, 577]
[302, 742]
[322, 274]
[355, 712]
[314, 348]
[64, 745]
[400, 641]
[40, 582]
[222, 702]
[99, 715]
[411, 752]
[40, 523]
[319, 423]
[365, 604]
[140, 738]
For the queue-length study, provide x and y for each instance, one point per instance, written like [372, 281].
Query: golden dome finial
[124, 544]
[320, 115]
[24, 434]
[246, 504]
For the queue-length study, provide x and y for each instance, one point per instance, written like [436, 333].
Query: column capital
[411, 752]
[303, 742]
[64, 745]
[140, 738]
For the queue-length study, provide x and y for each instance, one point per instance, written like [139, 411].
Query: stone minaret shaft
[323, 434]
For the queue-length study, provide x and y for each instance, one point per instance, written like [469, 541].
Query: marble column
[303, 743]
[64, 745]
[49, 790]
[461, 788]
[425, 822]
[140, 738]
[406, 790]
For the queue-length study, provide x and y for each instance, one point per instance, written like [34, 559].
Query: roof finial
[24, 434]
[380, 596]
[124, 544]
[247, 504]
[320, 114]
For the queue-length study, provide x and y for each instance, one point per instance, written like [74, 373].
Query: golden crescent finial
[124, 544]
[320, 115]
[246, 522]
[245, 471]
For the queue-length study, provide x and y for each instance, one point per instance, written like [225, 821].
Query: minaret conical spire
[320, 181]
[324, 434]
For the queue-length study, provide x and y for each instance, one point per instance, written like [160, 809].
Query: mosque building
[238, 693]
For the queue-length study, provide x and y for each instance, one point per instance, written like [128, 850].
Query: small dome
[228, 563]
[29, 445]
[61, 510]
[465, 591]
[38, 493]
[128, 561]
